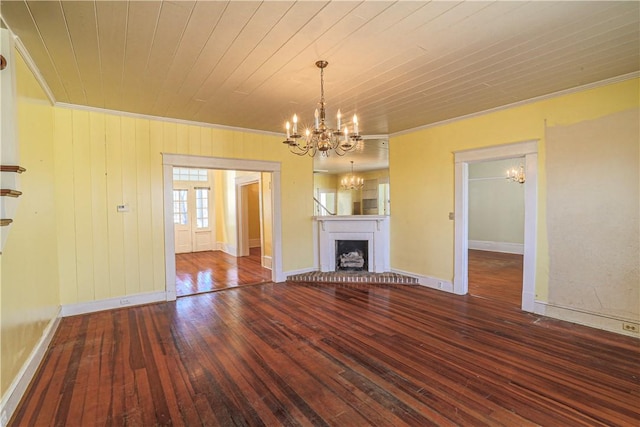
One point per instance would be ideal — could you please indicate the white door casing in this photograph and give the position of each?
(528, 150)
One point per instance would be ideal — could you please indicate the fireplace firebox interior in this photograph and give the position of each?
(352, 255)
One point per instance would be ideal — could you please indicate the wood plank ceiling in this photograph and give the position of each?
(247, 64)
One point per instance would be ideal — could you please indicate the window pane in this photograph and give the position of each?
(202, 207)
(180, 207)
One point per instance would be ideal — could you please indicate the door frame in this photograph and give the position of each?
(169, 161)
(528, 150)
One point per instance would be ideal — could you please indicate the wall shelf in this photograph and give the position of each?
(11, 168)
(10, 193)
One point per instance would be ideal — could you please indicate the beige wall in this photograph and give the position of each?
(593, 214)
(29, 283)
(422, 177)
(496, 206)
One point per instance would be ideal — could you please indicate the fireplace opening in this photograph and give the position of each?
(352, 255)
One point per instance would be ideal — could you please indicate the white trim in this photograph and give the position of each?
(266, 261)
(18, 386)
(577, 89)
(113, 303)
(31, 65)
(171, 160)
(586, 317)
(228, 249)
(428, 281)
(254, 243)
(165, 119)
(504, 247)
(529, 150)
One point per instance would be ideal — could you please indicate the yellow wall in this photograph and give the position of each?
(267, 215)
(254, 211)
(422, 174)
(107, 159)
(29, 280)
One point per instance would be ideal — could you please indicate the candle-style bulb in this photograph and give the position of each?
(346, 134)
(339, 116)
(355, 124)
(316, 115)
(295, 123)
(288, 126)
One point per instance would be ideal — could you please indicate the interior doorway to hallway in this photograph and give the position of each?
(235, 266)
(220, 235)
(496, 231)
(528, 150)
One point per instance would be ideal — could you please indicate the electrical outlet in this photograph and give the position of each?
(124, 301)
(630, 327)
(440, 284)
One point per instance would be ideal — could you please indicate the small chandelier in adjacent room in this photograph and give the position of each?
(351, 181)
(516, 175)
(322, 138)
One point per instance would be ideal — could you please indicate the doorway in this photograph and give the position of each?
(529, 151)
(496, 231)
(230, 246)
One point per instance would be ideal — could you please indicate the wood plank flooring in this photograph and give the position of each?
(208, 271)
(284, 354)
(496, 276)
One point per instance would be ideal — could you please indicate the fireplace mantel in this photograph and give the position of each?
(372, 228)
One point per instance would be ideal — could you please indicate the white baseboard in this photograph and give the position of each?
(267, 262)
(586, 318)
(254, 243)
(227, 248)
(19, 385)
(508, 248)
(430, 282)
(112, 303)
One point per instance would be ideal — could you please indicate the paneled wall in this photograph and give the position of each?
(103, 160)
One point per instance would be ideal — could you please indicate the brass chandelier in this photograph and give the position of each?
(321, 138)
(352, 182)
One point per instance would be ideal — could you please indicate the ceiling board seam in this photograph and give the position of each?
(618, 79)
(46, 49)
(153, 38)
(73, 51)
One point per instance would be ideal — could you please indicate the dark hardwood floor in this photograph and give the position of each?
(208, 271)
(286, 354)
(496, 276)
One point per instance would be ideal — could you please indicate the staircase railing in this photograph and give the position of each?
(323, 206)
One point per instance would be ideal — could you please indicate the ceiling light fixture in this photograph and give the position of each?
(516, 175)
(322, 138)
(351, 181)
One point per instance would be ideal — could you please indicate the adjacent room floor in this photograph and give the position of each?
(208, 271)
(496, 276)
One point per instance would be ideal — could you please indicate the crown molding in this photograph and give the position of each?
(31, 65)
(605, 82)
(165, 119)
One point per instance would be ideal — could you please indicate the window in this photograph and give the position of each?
(180, 207)
(189, 174)
(202, 207)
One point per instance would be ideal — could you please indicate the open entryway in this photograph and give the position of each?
(222, 223)
(525, 152)
(219, 230)
(496, 231)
